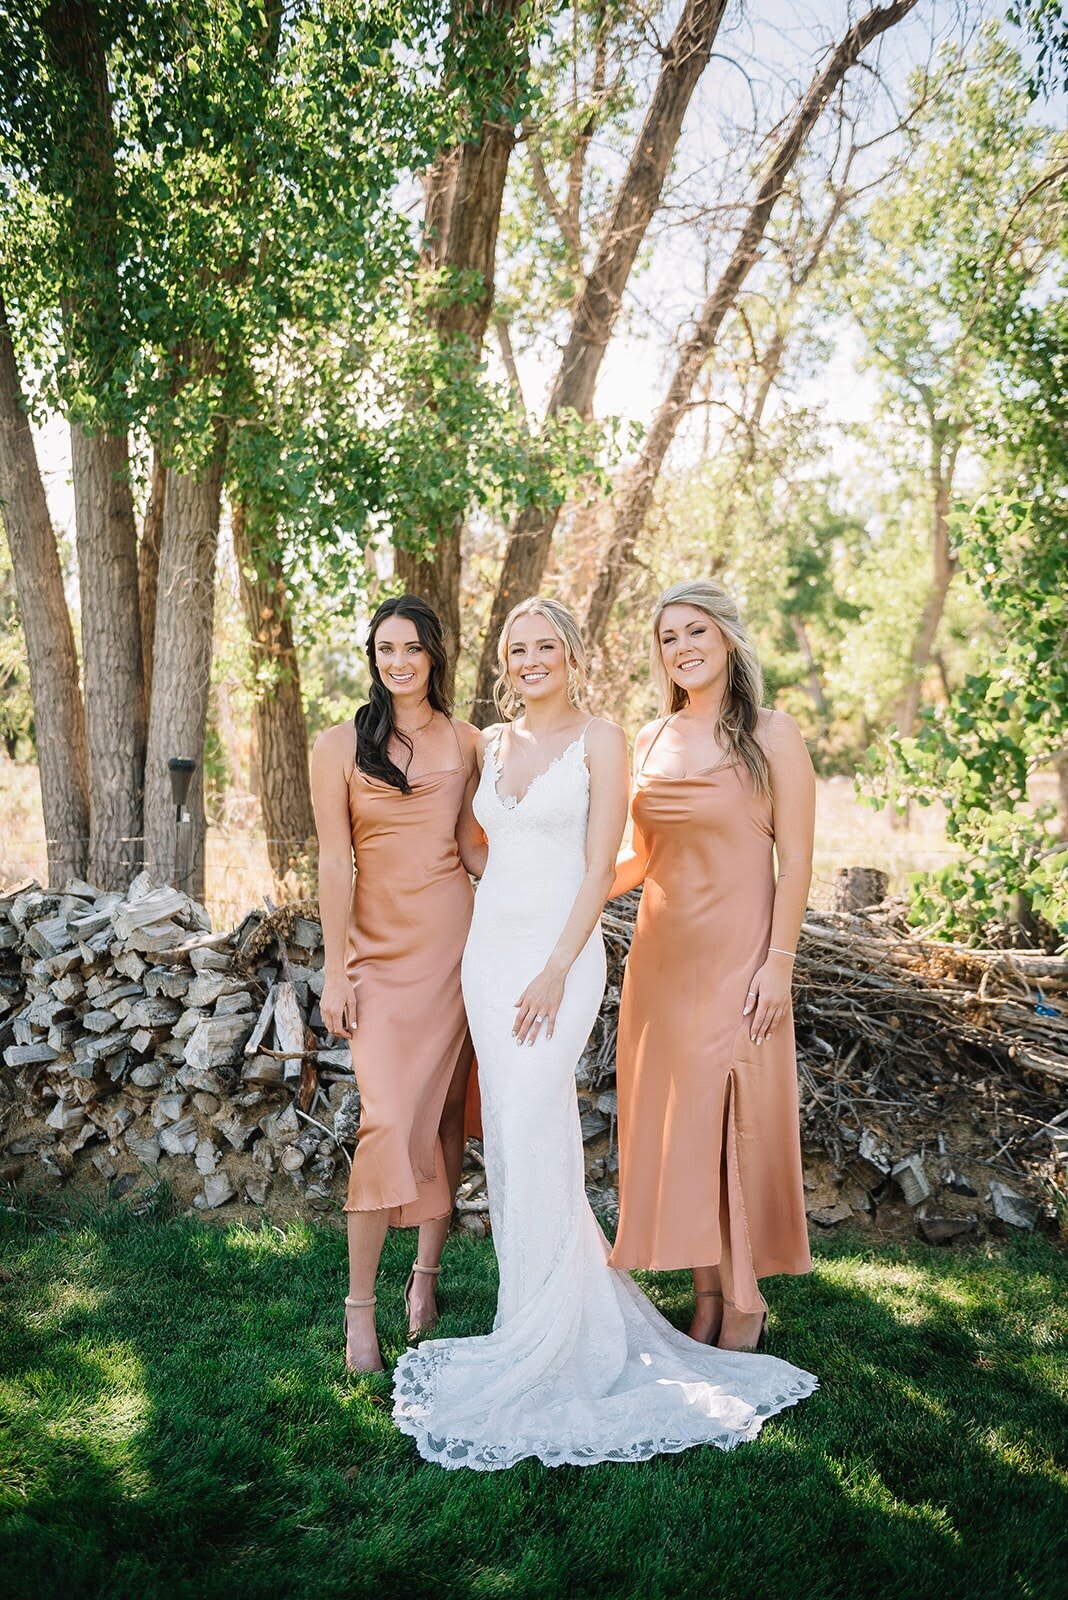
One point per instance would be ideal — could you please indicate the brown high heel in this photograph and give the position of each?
(425, 1327)
(746, 1349)
(358, 1305)
(708, 1294)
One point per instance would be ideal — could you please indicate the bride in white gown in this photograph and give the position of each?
(579, 1367)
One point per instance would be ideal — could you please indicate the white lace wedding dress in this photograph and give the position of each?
(579, 1366)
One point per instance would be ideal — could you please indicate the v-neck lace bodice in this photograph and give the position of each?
(511, 801)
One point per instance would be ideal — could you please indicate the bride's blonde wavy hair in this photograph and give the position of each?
(509, 704)
(745, 680)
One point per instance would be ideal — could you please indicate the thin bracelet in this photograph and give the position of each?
(778, 952)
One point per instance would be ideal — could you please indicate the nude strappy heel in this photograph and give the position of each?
(351, 1303)
(708, 1294)
(430, 1272)
(747, 1348)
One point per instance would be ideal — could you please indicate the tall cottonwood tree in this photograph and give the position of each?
(46, 626)
(330, 258)
(486, 70)
(633, 502)
(942, 257)
(58, 136)
(234, 178)
(683, 60)
(215, 170)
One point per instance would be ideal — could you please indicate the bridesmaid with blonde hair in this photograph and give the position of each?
(723, 813)
(392, 794)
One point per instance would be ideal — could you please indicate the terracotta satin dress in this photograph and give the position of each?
(408, 922)
(709, 1143)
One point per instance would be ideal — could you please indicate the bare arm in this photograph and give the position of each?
(470, 839)
(330, 799)
(606, 753)
(633, 861)
(793, 793)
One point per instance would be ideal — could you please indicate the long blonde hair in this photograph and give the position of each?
(745, 681)
(562, 622)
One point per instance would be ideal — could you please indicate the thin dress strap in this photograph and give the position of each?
(652, 746)
(459, 747)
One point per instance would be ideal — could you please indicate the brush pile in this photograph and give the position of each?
(933, 1078)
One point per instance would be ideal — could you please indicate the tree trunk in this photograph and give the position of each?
(683, 61)
(464, 192)
(859, 888)
(641, 482)
(111, 652)
(107, 537)
(57, 704)
(181, 654)
(277, 708)
(814, 682)
(1061, 767)
(148, 566)
(943, 566)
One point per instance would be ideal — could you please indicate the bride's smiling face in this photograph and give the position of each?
(537, 659)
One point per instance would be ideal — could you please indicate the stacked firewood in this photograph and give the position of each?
(131, 1031)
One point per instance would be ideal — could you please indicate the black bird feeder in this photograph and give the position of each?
(181, 769)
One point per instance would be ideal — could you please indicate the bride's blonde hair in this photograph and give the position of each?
(562, 622)
(745, 681)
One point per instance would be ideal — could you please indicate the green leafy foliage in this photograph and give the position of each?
(976, 753)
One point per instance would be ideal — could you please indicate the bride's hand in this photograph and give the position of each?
(538, 1005)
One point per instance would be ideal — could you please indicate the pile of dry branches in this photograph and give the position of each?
(916, 1040)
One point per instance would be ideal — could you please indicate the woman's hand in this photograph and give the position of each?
(338, 1006)
(538, 1005)
(768, 999)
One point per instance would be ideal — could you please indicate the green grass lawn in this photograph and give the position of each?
(176, 1421)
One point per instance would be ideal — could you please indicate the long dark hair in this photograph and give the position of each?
(374, 721)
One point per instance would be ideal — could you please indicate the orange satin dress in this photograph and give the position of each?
(411, 909)
(709, 1141)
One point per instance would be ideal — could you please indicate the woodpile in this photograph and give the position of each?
(130, 1031)
(135, 1040)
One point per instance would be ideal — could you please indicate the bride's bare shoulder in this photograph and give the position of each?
(488, 736)
(605, 737)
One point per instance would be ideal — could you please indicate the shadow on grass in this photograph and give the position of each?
(178, 1423)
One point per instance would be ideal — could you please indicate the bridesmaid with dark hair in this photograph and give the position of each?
(392, 797)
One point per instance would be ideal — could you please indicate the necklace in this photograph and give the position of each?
(418, 728)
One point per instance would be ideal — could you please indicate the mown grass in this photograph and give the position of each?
(177, 1423)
